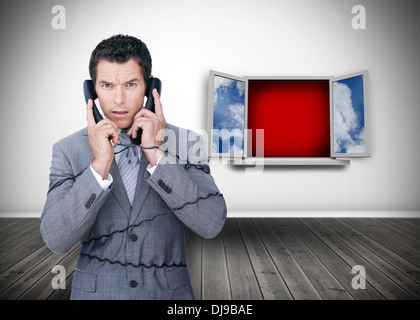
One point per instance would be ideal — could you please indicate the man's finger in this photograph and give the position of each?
(134, 129)
(114, 136)
(89, 114)
(139, 124)
(158, 103)
(143, 113)
(108, 125)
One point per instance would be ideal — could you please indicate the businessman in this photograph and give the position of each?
(129, 205)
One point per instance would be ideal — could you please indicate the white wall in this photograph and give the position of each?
(42, 70)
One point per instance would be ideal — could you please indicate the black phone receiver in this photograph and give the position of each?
(90, 93)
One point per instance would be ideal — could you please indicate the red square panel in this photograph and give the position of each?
(295, 116)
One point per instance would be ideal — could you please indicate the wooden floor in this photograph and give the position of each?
(258, 258)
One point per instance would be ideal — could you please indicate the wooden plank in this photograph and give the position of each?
(17, 241)
(18, 288)
(388, 288)
(21, 268)
(295, 278)
(406, 224)
(270, 281)
(215, 279)
(363, 226)
(407, 237)
(17, 228)
(327, 285)
(415, 221)
(333, 262)
(373, 258)
(397, 261)
(5, 221)
(243, 283)
(193, 248)
(13, 257)
(42, 289)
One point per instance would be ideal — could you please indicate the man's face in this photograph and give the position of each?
(120, 88)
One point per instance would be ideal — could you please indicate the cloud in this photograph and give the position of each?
(231, 140)
(237, 112)
(220, 83)
(234, 117)
(241, 87)
(349, 134)
(228, 117)
(223, 84)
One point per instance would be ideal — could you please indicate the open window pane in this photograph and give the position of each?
(349, 107)
(227, 108)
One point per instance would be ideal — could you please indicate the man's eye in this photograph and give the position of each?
(131, 85)
(107, 85)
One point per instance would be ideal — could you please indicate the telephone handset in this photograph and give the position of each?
(90, 93)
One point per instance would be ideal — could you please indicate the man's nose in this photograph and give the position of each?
(119, 95)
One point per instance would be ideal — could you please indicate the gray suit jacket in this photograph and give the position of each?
(133, 252)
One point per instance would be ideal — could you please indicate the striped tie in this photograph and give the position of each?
(128, 165)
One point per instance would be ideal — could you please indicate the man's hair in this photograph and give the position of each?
(120, 48)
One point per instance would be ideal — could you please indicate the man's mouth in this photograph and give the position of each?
(119, 113)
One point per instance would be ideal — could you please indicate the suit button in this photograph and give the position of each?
(160, 183)
(133, 283)
(133, 237)
(90, 201)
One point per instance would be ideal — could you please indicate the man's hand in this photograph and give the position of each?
(152, 124)
(102, 150)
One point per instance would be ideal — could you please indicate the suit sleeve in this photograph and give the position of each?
(73, 201)
(190, 191)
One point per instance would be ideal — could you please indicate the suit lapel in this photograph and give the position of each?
(142, 189)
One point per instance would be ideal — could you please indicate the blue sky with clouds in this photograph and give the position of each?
(349, 125)
(228, 115)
